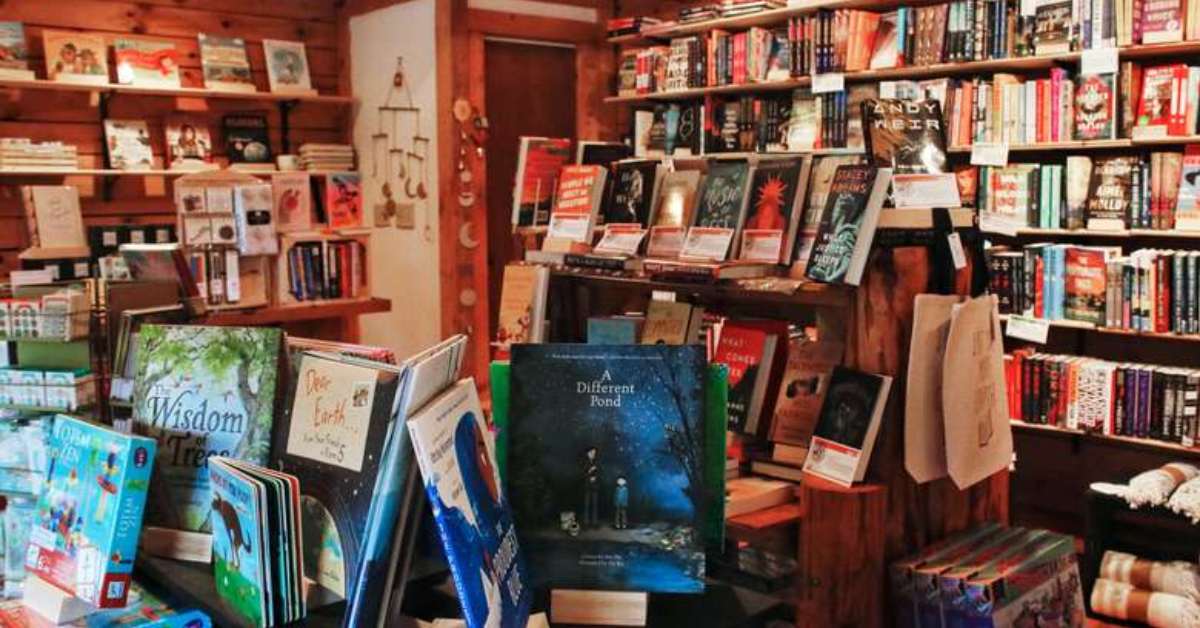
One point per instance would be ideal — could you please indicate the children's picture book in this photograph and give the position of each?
(89, 514)
(293, 201)
(523, 294)
(76, 57)
(257, 563)
(128, 144)
(189, 143)
(846, 428)
(1096, 107)
(201, 391)
(287, 66)
(146, 62)
(55, 217)
(776, 200)
(539, 160)
(631, 196)
(843, 241)
(343, 200)
(457, 457)
(14, 51)
(246, 139)
(605, 465)
(225, 65)
(907, 136)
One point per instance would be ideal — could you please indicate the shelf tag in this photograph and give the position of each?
(1099, 61)
(1029, 8)
(829, 82)
(1031, 329)
(989, 155)
(662, 295)
(956, 251)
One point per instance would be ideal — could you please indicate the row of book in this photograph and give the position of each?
(1148, 290)
(189, 143)
(1154, 192)
(326, 269)
(1110, 398)
(18, 153)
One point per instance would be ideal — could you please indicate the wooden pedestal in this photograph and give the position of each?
(599, 608)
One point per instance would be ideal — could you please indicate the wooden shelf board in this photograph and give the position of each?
(103, 172)
(632, 38)
(316, 310)
(1115, 331)
(1145, 443)
(181, 92)
(809, 293)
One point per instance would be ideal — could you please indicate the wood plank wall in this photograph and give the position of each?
(48, 115)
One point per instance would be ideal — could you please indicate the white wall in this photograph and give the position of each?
(404, 262)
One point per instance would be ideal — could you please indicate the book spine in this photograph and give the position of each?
(127, 524)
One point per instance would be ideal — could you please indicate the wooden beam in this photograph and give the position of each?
(532, 27)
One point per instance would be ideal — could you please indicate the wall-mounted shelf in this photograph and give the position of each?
(1147, 443)
(105, 172)
(1095, 233)
(180, 92)
(1116, 331)
(1166, 140)
(316, 310)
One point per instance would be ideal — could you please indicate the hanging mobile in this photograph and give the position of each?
(408, 183)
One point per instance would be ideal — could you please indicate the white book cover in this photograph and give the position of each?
(128, 144)
(287, 66)
(253, 205)
(57, 216)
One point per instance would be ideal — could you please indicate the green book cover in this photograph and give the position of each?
(498, 378)
(200, 392)
(715, 422)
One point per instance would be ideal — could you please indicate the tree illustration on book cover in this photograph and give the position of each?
(201, 392)
(606, 454)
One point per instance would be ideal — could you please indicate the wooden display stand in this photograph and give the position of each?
(283, 293)
(52, 603)
(599, 608)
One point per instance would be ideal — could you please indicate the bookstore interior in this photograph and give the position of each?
(532, 313)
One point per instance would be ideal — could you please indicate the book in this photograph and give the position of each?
(847, 228)
(594, 153)
(1109, 193)
(89, 513)
(522, 311)
(818, 187)
(750, 352)
(805, 381)
(774, 207)
(1084, 285)
(751, 494)
(287, 66)
(632, 194)
(14, 51)
(1157, 100)
(225, 65)
(146, 62)
(1096, 107)
(127, 143)
(539, 160)
(676, 199)
(160, 262)
(456, 454)
(189, 143)
(907, 136)
(576, 207)
(1187, 206)
(578, 488)
(672, 323)
(200, 391)
(252, 208)
(292, 193)
(846, 428)
(246, 138)
(257, 562)
(343, 200)
(1162, 21)
(1053, 30)
(54, 216)
(75, 57)
(722, 199)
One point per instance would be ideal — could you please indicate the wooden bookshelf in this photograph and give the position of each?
(1115, 331)
(1077, 145)
(1101, 234)
(107, 172)
(316, 310)
(181, 92)
(807, 293)
(1145, 443)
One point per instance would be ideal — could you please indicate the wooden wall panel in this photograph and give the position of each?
(71, 117)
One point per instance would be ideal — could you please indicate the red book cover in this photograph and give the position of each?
(1177, 124)
(1043, 106)
(1162, 306)
(343, 200)
(1154, 107)
(1039, 301)
(741, 349)
(345, 260)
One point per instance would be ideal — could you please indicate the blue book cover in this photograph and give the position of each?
(606, 465)
(200, 392)
(239, 566)
(613, 330)
(89, 514)
(456, 454)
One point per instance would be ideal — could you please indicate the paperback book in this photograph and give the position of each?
(1096, 107)
(225, 64)
(287, 66)
(539, 160)
(128, 144)
(146, 62)
(723, 195)
(76, 57)
(751, 350)
(1110, 193)
(805, 381)
(246, 139)
(189, 144)
(583, 421)
(847, 227)
(776, 201)
(847, 426)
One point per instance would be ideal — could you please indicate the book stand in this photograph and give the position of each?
(53, 603)
(599, 608)
(193, 547)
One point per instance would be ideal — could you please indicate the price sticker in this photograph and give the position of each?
(989, 155)
(830, 82)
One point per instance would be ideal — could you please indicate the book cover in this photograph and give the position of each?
(224, 62)
(821, 179)
(343, 200)
(14, 52)
(1110, 193)
(539, 160)
(522, 304)
(847, 225)
(142, 610)
(1096, 107)
(1187, 207)
(246, 138)
(127, 143)
(287, 66)
(1052, 34)
(723, 195)
(200, 391)
(887, 38)
(252, 205)
(292, 193)
(772, 209)
(746, 350)
(89, 514)
(846, 428)
(75, 57)
(576, 205)
(1085, 283)
(1154, 106)
(1162, 21)
(805, 381)
(189, 143)
(146, 62)
(613, 330)
(631, 196)
(676, 198)
(456, 453)
(239, 543)
(671, 322)
(57, 216)
(583, 484)
(907, 136)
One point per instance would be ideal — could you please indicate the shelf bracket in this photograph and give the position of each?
(106, 182)
(285, 123)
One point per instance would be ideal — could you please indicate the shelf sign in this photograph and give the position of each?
(956, 250)
(1031, 329)
(919, 190)
(829, 82)
(1029, 8)
(621, 239)
(1099, 61)
(986, 154)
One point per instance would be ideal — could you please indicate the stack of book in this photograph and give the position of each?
(734, 8)
(25, 154)
(327, 157)
(620, 26)
(1111, 398)
(328, 269)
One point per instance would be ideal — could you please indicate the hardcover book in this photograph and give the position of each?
(847, 426)
(576, 206)
(907, 136)
(847, 226)
(76, 57)
(225, 64)
(1157, 99)
(246, 139)
(582, 482)
(287, 66)
(189, 144)
(293, 201)
(14, 52)
(200, 391)
(676, 198)
(456, 453)
(1053, 27)
(1096, 107)
(89, 514)
(750, 352)
(146, 62)
(539, 160)
(1110, 193)
(343, 200)
(823, 170)
(805, 381)
(522, 304)
(776, 198)
(723, 196)
(1187, 207)
(1085, 283)
(128, 144)
(1162, 21)
(631, 197)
